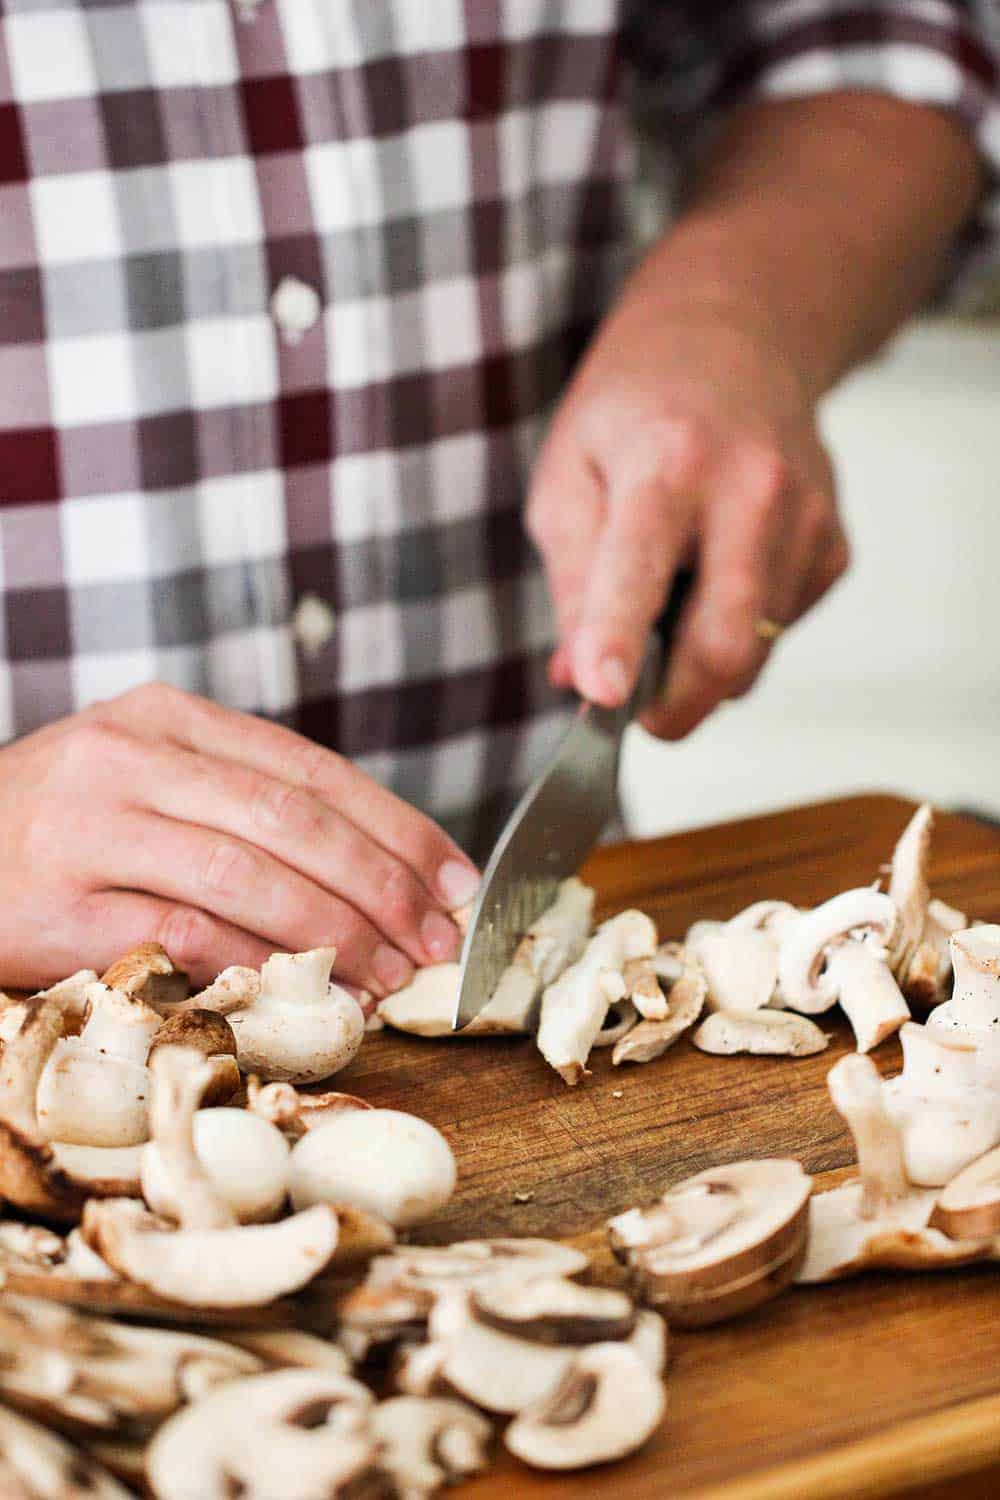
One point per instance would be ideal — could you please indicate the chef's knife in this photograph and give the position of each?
(555, 825)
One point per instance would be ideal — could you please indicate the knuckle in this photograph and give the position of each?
(682, 447)
(153, 697)
(309, 764)
(771, 477)
(94, 744)
(398, 898)
(230, 868)
(279, 807)
(724, 657)
(186, 934)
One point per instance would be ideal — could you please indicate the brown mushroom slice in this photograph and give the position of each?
(472, 1263)
(553, 1310)
(575, 1005)
(776, 1033)
(294, 1112)
(147, 973)
(719, 1231)
(968, 1208)
(425, 1443)
(37, 1465)
(606, 1404)
(29, 1174)
(687, 991)
(294, 1433)
(105, 1171)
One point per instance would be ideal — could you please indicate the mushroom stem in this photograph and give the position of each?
(869, 995)
(856, 1090)
(180, 1077)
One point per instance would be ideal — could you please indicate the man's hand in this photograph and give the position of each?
(161, 816)
(683, 440)
(688, 438)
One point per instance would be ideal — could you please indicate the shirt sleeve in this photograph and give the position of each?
(943, 53)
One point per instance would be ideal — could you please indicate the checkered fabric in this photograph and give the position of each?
(182, 464)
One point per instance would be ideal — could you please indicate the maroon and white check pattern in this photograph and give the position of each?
(185, 458)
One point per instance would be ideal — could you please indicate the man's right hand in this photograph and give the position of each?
(162, 816)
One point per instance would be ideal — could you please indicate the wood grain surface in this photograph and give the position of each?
(872, 1387)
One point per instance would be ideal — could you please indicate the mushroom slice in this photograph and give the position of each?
(245, 1157)
(471, 1263)
(802, 956)
(722, 1241)
(289, 1348)
(974, 1008)
(687, 991)
(87, 1375)
(869, 995)
(921, 960)
(294, 1433)
(427, 1443)
(295, 1113)
(766, 1034)
(775, 917)
(37, 1465)
(246, 1266)
(882, 1220)
(29, 1174)
(606, 1404)
(643, 988)
(740, 964)
(386, 1162)
(426, 1006)
(552, 1310)
(946, 1117)
(575, 1005)
(105, 1171)
(500, 1372)
(301, 1028)
(618, 1022)
(969, 1206)
(147, 973)
(234, 989)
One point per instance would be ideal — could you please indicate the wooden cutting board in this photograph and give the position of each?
(868, 1388)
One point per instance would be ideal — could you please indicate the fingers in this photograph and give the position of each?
(718, 651)
(652, 494)
(303, 832)
(245, 887)
(112, 922)
(444, 869)
(564, 517)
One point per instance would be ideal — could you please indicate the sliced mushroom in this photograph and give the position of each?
(471, 1263)
(974, 1008)
(86, 1375)
(426, 1006)
(294, 1113)
(301, 1028)
(869, 995)
(105, 1171)
(71, 995)
(740, 963)
(946, 1118)
(553, 1310)
(294, 1433)
(803, 954)
(290, 1348)
(147, 973)
(37, 1465)
(389, 1163)
(969, 1206)
(622, 1016)
(234, 989)
(94, 1088)
(575, 1005)
(29, 1174)
(427, 1443)
(765, 1033)
(921, 960)
(687, 991)
(606, 1404)
(246, 1158)
(881, 1221)
(719, 1243)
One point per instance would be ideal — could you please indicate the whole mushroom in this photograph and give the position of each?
(386, 1162)
(300, 1027)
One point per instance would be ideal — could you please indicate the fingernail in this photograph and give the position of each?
(440, 937)
(615, 678)
(458, 883)
(392, 968)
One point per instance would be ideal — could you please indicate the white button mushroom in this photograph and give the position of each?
(246, 1159)
(386, 1162)
(94, 1089)
(974, 1008)
(301, 1028)
(946, 1117)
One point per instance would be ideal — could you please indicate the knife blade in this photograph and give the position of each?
(554, 826)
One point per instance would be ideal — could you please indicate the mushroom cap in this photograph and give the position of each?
(425, 1006)
(553, 1310)
(969, 1206)
(205, 1030)
(429, 1442)
(247, 1266)
(294, 1433)
(498, 1371)
(46, 1467)
(246, 1158)
(148, 973)
(89, 1098)
(869, 995)
(769, 1033)
(606, 1404)
(283, 1038)
(387, 1162)
(716, 1228)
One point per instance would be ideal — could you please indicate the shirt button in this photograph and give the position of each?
(313, 624)
(295, 306)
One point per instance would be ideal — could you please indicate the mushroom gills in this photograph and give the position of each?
(606, 1404)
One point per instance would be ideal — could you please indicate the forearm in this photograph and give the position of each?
(819, 225)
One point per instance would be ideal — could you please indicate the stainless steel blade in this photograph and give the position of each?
(549, 834)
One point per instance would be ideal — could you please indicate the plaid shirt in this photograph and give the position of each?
(287, 288)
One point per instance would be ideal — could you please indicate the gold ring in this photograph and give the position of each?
(767, 629)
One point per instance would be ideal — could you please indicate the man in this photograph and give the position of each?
(289, 290)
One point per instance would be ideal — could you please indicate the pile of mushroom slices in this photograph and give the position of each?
(761, 976)
(927, 1194)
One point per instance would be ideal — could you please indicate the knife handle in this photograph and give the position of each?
(666, 625)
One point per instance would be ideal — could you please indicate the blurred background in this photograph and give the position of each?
(893, 683)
